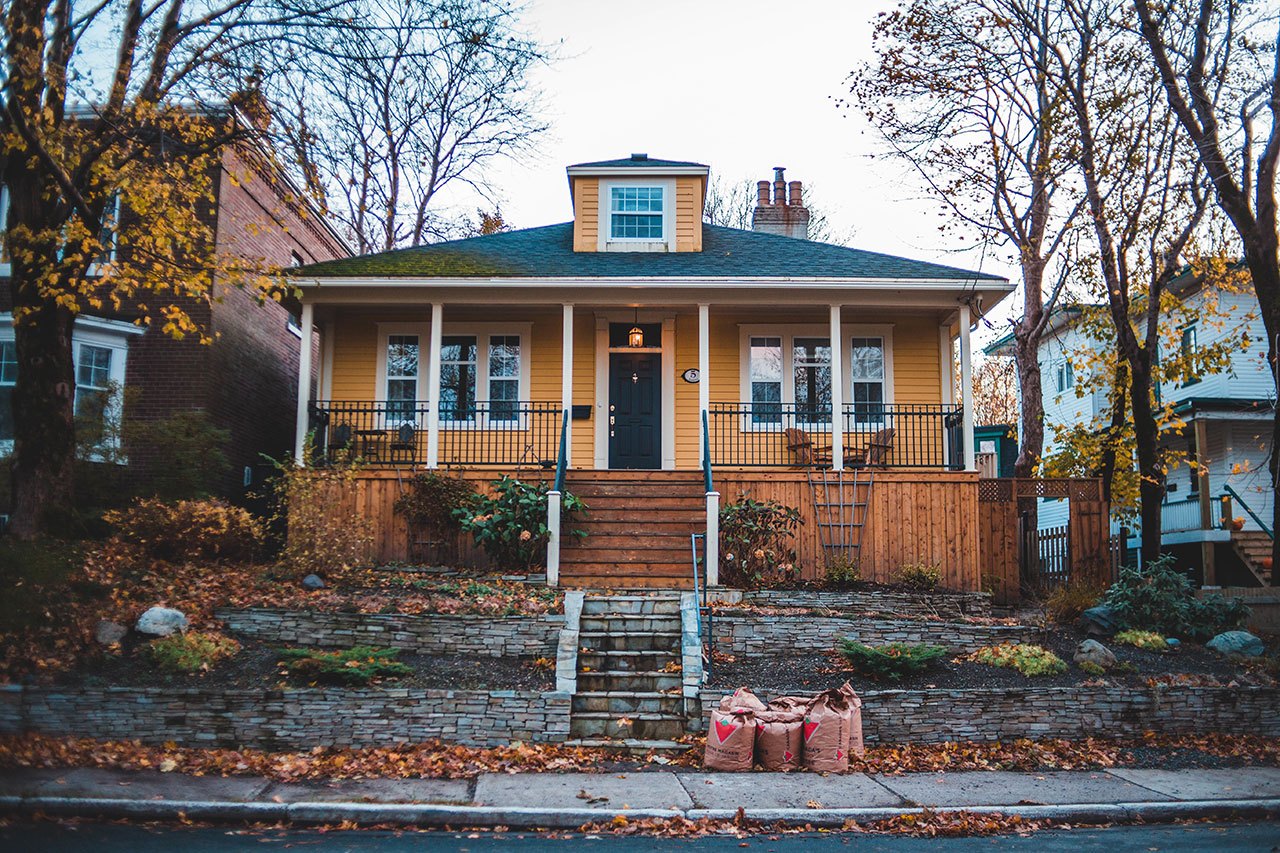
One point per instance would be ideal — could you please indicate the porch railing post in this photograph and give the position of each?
(553, 538)
(712, 546)
(433, 385)
(566, 379)
(837, 393)
(304, 385)
(704, 367)
(966, 391)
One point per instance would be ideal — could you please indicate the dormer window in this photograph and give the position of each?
(636, 213)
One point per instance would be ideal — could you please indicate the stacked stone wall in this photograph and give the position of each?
(760, 635)
(944, 605)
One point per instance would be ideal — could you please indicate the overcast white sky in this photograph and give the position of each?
(742, 86)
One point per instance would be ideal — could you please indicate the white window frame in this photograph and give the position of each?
(109, 334)
(5, 268)
(886, 380)
(386, 331)
(1064, 376)
(788, 333)
(608, 243)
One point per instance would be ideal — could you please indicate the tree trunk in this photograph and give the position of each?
(1151, 475)
(1107, 471)
(1031, 393)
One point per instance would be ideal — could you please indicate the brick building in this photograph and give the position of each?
(245, 382)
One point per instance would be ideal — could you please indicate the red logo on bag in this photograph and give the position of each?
(786, 755)
(723, 730)
(809, 729)
(839, 753)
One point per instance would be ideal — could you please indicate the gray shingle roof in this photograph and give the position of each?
(643, 161)
(547, 252)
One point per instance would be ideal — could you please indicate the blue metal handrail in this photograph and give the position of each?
(563, 455)
(1265, 529)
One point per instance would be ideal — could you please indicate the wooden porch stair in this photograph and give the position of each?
(638, 525)
(1252, 546)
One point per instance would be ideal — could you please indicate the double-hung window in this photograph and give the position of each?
(867, 378)
(1065, 377)
(766, 380)
(403, 370)
(93, 391)
(636, 213)
(1189, 346)
(504, 377)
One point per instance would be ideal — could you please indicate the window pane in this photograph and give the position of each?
(868, 402)
(8, 363)
(504, 355)
(93, 370)
(867, 359)
(636, 226)
(458, 348)
(402, 355)
(766, 359)
(766, 402)
(503, 399)
(811, 363)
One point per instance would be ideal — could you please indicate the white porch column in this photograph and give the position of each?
(837, 392)
(433, 385)
(712, 543)
(304, 384)
(966, 390)
(947, 371)
(704, 370)
(553, 538)
(566, 380)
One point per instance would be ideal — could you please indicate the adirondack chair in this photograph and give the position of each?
(806, 453)
(878, 448)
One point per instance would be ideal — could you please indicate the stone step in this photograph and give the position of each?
(623, 702)
(592, 724)
(639, 641)
(621, 679)
(622, 660)
(631, 623)
(630, 746)
(629, 604)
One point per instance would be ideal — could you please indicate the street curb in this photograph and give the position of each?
(426, 814)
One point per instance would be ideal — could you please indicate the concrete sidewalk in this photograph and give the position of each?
(571, 799)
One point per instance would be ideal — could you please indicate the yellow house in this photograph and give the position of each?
(645, 359)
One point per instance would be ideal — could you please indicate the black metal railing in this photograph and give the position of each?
(507, 432)
(896, 435)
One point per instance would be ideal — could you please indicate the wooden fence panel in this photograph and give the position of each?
(1091, 541)
(998, 535)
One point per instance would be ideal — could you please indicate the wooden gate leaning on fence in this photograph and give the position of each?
(1011, 559)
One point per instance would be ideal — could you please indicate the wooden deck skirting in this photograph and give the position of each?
(928, 517)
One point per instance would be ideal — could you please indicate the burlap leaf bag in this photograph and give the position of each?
(779, 739)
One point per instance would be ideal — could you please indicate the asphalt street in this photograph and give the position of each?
(121, 838)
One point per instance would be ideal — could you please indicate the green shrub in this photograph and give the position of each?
(511, 524)
(191, 449)
(1026, 659)
(756, 541)
(890, 662)
(843, 572)
(1092, 668)
(920, 577)
(191, 652)
(1159, 598)
(356, 666)
(1065, 604)
(188, 530)
(1149, 640)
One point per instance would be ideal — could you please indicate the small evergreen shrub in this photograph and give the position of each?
(1065, 604)
(843, 572)
(890, 662)
(1148, 640)
(757, 541)
(1157, 597)
(188, 530)
(920, 577)
(1027, 659)
(355, 667)
(511, 524)
(191, 652)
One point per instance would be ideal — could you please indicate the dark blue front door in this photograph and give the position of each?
(635, 410)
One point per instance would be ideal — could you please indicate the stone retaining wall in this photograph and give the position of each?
(287, 719)
(989, 714)
(497, 636)
(947, 605)
(752, 634)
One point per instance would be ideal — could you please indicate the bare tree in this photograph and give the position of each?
(392, 115)
(995, 391)
(1219, 68)
(960, 91)
(732, 203)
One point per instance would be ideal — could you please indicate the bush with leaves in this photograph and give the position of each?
(920, 577)
(890, 662)
(316, 505)
(511, 524)
(1157, 597)
(756, 542)
(1029, 660)
(1065, 604)
(188, 530)
(191, 652)
(843, 572)
(1149, 640)
(356, 666)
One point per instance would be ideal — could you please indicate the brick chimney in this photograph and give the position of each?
(780, 208)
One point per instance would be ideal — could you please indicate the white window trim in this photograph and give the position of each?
(788, 332)
(482, 333)
(6, 269)
(606, 242)
(96, 331)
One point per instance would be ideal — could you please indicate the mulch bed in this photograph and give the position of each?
(811, 672)
(254, 667)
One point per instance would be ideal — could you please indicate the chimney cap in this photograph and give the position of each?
(778, 172)
(640, 156)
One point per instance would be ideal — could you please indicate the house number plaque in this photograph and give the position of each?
(691, 376)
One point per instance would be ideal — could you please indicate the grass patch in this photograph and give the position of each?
(1029, 660)
(193, 652)
(356, 667)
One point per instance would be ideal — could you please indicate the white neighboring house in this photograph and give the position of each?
(1228, 427)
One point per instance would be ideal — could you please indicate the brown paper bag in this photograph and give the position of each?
(790, 703)
(731, 740)
(855, 745)
(826, 733)
(741, 700)
(779, 739)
